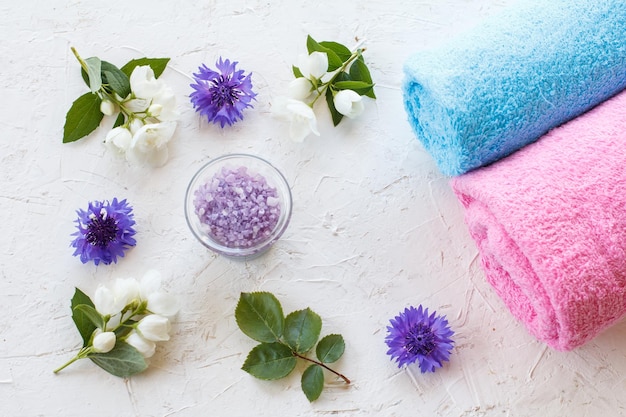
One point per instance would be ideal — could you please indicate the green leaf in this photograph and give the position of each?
(260, 316)
(360, 72)
(157, 64)
(334, 61)
(360, 87)
(342, 51)
(270, 361)
(84, 325)
(296, 72)
(115, 79)
(331, 106)
(93, 73)
(330, 348)
(91, 314)
(123, 361)
(119, 121)
(83, 117)
(302, 329)
(312, 382)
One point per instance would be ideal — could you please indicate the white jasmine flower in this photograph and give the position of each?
(144, 346)
(300, 115)
(314, 65)
(118, 139)
(300, 88)
(349, 103)
(143, 83)
(103, 342)
(149, 144)
(159, 302)
(165, 101)
(154, 327)
(126, 290)
(105, 301)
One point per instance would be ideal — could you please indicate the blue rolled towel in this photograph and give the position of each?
(507, 82)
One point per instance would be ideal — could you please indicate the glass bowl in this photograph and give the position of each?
(238, 205)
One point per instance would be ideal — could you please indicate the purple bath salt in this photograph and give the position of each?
(239, 208)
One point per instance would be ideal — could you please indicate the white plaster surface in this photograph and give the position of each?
(375, 226)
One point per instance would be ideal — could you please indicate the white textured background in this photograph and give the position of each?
(375, 226)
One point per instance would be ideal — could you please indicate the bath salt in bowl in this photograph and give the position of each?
(238, 205)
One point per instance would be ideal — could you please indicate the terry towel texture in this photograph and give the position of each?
(550, 225)
(508, 81)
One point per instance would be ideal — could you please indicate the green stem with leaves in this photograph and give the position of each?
(322, 89)
(346, 380)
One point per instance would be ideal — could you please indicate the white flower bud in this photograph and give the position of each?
(300, 88)
(155, 110)
(144, 346)
(154, 328)
(107, 107)
(349, 103)
(314, 65)
(134, 125)
(103, 342)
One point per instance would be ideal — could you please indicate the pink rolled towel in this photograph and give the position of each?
(550, 225)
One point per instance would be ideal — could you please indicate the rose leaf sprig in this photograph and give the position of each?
(284, 340)
(144, 106)
(121, 325)
(416, 336)
(330, 70)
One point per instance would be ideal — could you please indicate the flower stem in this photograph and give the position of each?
(80, 355)
(346, 380)
(337, 72)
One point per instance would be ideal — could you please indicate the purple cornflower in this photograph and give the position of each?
(105, 231)
(416, 336)
(222, 96)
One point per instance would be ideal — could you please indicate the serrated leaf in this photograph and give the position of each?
(119, 121)
(312, 382)
(270, 361)
(93, 73)
(123, 361)
(84, 325)
(360, 72)
(83, 117)
(115, 79)
(158, 65)
(260, 316)
(342, 51)
(331, 106)
(91, 314)
(296, 72)
(334, 61)
(360, 87)
(330, 348)
(302, 330)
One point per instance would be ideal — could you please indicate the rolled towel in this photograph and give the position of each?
(550, 225)
(508, 81)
